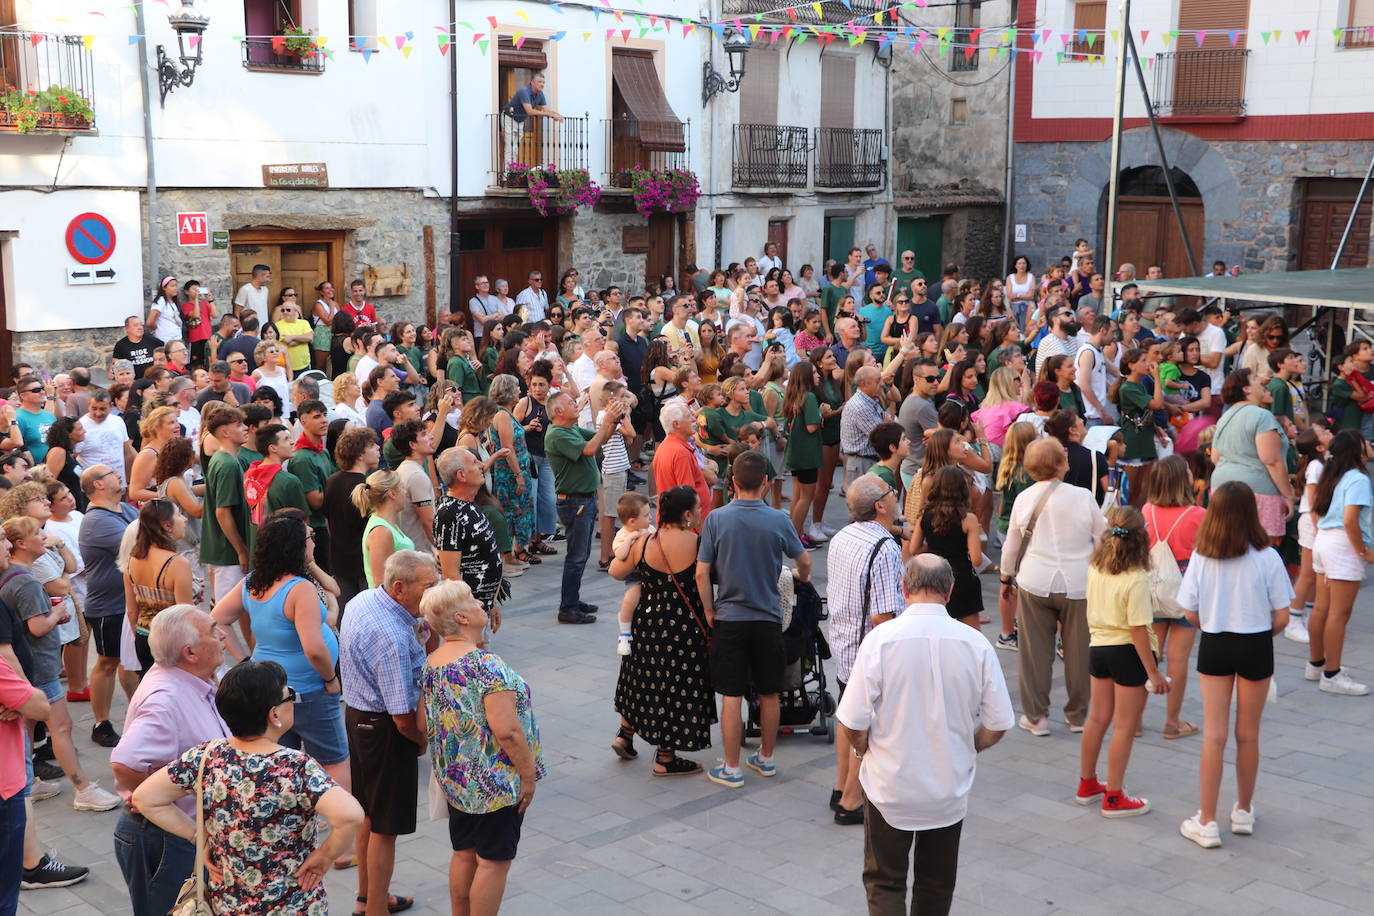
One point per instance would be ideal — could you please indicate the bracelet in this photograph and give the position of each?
(331, 680)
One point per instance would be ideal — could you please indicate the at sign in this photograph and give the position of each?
(193, 229)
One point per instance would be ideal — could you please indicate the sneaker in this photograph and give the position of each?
(94, 798)
(622, 645)
(1242, 822)
(1296, 630)
(43, 769)
(51, 873)
(573, 615)
(1078, 729)
(1208, 836)
(814, 532)
(755, 763)
(1311, 672)
(722, 776)
(1007, 642)
(847, 818)
(1343, 684)
(1038, 727)
(44, 788)
(586, 608)
(809, 544)
(558, 536)
(1119, 804)
(103, 734)
(829, 530)
(1089, 791)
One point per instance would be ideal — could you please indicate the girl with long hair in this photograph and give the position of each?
(830, 394)
(379, 499)
(1311, 446)
(1137, 407)
(1121, 659)
(803, 455)
(1004, 402)
(1172, 516)
(1340, 551)
(708, 360)
(1061, 370)
(1012, 478)
(1236, 592)
(157, 577)
(159, 427)
(949, 528)
(963, 383)
(64, 435)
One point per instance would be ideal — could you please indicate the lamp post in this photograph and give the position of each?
(189, 24)
(736, 47)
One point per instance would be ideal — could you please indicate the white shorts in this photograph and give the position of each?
(1307, 530)
(1333, 557)
(223, 579)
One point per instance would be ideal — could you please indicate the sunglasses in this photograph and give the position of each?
(1275, 337)
(930, 378)
(290, 697)
(31, 390)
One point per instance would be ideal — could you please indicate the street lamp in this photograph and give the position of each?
(736, 47)
(189, 24)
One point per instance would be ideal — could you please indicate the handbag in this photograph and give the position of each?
(1030, 528)
(192, 900)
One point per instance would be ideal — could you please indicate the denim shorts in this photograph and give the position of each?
(53, 690)
(319, 727)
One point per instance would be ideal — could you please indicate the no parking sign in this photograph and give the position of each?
(90, 238)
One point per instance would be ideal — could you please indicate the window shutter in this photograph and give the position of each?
(637, 79)
(529, 56)
(837, 91)
(758, 103)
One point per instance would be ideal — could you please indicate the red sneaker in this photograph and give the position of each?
(1089, 791)
(1119, 804)
(82, 697)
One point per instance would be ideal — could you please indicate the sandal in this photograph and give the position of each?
(542, 549)
(1184, 730)
(526, 558)
(395, 903)
(624, 744)
(673, 765)
(603, 565)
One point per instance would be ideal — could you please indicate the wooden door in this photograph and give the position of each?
(506, 249)
(777, 234)
(246, 255)
(1325, 209)
(660, 260)
(11, 47)
(1148, 234)
(303, 267)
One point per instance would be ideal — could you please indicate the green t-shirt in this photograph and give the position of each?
(884, 473)
(1137, 421)
(247, 457)
(417, 360)
(1073, 400)
(803, 451)
(1020, 480)
(1234, 442)
(1283, 398)
(573, 472)
(830, 302)
(490, 356)
(830, 427)
(946, 306)
(1343, 401)
(285, 492)
(1170, 372)
(460, 372)
(903, 278)
(312, 469)
(223, 490)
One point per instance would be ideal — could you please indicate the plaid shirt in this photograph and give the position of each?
(380, 657)
(847, 574)
(860, 414)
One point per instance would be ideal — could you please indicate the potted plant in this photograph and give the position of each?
(295, 42)
(670, 191)
(517, 175)
(69, 108)
(576, 190)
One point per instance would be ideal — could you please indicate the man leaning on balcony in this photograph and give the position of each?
(529, 100)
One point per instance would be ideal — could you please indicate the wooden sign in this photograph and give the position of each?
(296, 175)
(388, 280)
(634, 240)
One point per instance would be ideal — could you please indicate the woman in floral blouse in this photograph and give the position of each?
(261, 803)
(483, 743)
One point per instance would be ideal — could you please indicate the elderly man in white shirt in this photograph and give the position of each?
(924, 697)
(534, 298)
(583, 370)
(1045, 559)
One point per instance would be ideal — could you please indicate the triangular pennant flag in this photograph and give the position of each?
(483, 45)
(1082, 36)
(773, 37)
(320, 41)
(1266, 36)
(329, 53)
(754, 32)
(1116, 37)
(791, 14)
(942, 34)
(1167, 37)
(443, 44)
(974, 35)
(686, 29)
(135, 39)
(854, 40)
(518, 40)
(1200, 36)
(624, 34)
(1058, 57)
(816, 8)
(610, 33)
(1038, 55)
(492, 21)
(400, 41)
(618, 17)
(1234, 36)
(969, 51)
(405, 51)
(193, 41)
(410, 36)
(384, 42)
(478, 37)
(521, 14)
(367, 55)
(596, 15)
(36, 38)
(558, 36)
(1144, 35)
(1302, 36)
(88, 40)
(465, 24)
(1045, 35)
(1335, 33)
(586, 36)
(801, 37)
(653, 22)
(718, 29)
(1064, 38)
(557, 8)
(847, 5)
(1278, 33)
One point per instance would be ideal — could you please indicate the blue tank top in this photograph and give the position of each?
(277, 640)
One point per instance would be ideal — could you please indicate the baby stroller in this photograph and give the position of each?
(806, 704)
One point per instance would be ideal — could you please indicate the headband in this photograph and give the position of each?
(165, 281)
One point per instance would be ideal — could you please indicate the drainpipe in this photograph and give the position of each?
(1009, 185)
(454, 293)
(148, 152)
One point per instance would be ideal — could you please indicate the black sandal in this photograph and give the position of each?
(400, 906)
(624, 744)
(673, 765)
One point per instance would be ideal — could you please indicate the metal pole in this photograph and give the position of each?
(1163, 157)
(1009, 206)
(149, 155)
(1354, 212)
(455, 292)
(1114, 181)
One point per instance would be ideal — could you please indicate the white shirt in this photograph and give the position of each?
(1056, 559)
(190, 419)
(168, 327)
(536, 300)
(489, 306)
(104, 443)
(1237, 595)
(345, 411)
(766, 264)
(1096, 379)
(921, 685)
(255, 299)
(364, 368)
(583, 372)
(1213, 340)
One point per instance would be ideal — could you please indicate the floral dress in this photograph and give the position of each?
(260, 825)
(476, 774)
(519, 507)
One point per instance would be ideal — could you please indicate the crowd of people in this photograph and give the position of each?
(289, 533)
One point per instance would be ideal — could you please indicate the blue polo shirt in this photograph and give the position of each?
(746, 541)
(515, 108)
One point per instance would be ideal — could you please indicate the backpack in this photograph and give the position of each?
(1165, 578)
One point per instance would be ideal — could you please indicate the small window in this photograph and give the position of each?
(958, 111)
(968, 18)
(1359, 20)
(522, 237)
(1089, 26)
(472, 240)
(362, 25)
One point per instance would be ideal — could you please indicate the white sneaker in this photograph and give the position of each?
(1344, 685)
(1296, 630)
(829, 531)
(622, 645)
(1311, 672)
(44, 788)
(1208, 836)
(816, 534)
(94, 798)
(1037, 727)
(1242, 822)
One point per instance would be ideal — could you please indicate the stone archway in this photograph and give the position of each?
(1147, 229)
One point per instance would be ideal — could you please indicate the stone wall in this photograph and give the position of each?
(593, 241)
(973, 240)
(1250, 191)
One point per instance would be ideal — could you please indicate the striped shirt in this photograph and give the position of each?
(380, 656)
(860, 414)
(614, 457)
(848, 574)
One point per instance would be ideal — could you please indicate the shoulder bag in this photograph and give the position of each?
(1030, 528)
(192, 900)
(866, 621)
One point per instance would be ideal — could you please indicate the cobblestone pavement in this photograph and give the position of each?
(603, 836)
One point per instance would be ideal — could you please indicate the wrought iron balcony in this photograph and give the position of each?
(769, 156)
(537, 143)
(631, 143)
(960, 61)
(849, 158)
(1201, 83)
(271, 54)
(832, 11)
(47, 83)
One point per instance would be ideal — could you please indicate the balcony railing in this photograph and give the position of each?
(625, 148)
(43, 79)
(266, 54)
(537, 142)
(1201, 83)
(849, 158)
(769, 156)
(960, 61)
(832, 11)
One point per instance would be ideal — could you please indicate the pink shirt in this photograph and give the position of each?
(171, 712)
(15, 691)
(998, 419)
